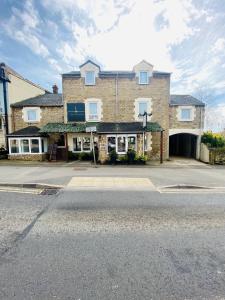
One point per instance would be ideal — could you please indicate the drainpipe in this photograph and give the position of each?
(116, 96)
(5, 109)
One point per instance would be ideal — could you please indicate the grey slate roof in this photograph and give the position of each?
(103, 127)
(106, 74)
(185, 100)
(42, 100)
(30, 131)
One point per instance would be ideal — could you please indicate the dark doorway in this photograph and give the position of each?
(183, 144)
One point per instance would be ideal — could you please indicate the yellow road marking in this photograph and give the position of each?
(110, 182)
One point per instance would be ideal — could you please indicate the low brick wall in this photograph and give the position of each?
(28, 157)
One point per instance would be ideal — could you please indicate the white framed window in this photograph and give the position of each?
(121, 143)
(82, 144)
(89, 78)
(142, 105)
(31, 114)
(186, 113)
(143, 77)
(93, 110)
(31, 145)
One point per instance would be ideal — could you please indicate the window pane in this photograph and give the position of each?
(111, 143)
(90, 77)
(31, 115)
(131, 142)
(121, 144)
(186, 114)
(86, 144)
(14, 144)
(34, 144)
(77, 144)
(24, 144)
(143, 77)
(76, 112)
(93, 108)
(142, 107)
(93, 111)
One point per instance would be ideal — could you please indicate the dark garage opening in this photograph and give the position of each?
(183, 144)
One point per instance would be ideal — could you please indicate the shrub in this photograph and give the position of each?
(3, 153)
(73, 156)
(123, 159)
(140, 159)
(131, 154)
(113, 157)
(214, 140)
(85, 156)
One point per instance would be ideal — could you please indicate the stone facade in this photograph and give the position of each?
(118, 100)
(196, 123)
(49, 114)
(28, 157)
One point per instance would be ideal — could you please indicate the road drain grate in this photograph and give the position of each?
(49, 192)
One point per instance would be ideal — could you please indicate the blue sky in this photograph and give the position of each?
(43, 38)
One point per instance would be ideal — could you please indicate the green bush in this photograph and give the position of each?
(85, 156)
(73, 156)
(214, 140)
(113, 157)
(123, 159)
(140, 159)
(131, 154)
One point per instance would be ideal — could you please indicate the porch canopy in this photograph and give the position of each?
(102, 127)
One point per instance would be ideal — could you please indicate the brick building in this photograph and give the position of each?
(114, 102)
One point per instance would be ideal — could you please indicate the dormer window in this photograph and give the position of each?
(90, 78)
(143, 77)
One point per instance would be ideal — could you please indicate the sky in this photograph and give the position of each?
(42, 39)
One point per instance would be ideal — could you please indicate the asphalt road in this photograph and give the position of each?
(112, 245)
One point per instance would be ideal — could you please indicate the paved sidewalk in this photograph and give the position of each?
(191, 175)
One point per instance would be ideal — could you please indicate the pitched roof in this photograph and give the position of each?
(30, 131)
(41, 100)
(185, 100)
(91, 62)
(9, 70)
(103, 127)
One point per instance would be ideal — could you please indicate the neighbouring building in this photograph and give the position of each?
(28, 117)
(187, 115)
(113, 103)
(17, 88)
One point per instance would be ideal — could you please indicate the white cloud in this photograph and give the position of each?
(134, 36)
(219, 45)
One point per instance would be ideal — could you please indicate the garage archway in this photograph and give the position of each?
(183, 144)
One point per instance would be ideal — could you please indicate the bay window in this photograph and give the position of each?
(27, 145)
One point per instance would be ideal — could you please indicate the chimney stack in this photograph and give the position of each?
(55, 89)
